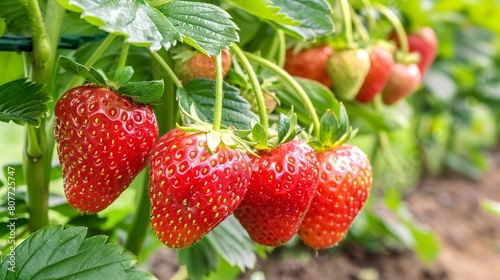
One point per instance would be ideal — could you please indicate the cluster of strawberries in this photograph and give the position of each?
(314, 189)
(363, 74)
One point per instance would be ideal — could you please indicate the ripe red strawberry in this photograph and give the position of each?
(424, 42)
(381, 63)
(103, 141)
(310, 63)
(404, 80)
(191, 191)
(348, 69)
(345, 179)
(198, 65)
(280, 192)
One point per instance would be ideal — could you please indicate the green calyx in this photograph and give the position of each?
(144, 92)
(333, 131)
(281, 132)
(407, 58)
(230, 138)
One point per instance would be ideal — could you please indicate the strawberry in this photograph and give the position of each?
(348, 69)
(103, 141)
(191, 190)
(381, 63)
(309, 63)
(191, 65)
(345, 178)
(424, 42)
(280, 192)
(403, 80)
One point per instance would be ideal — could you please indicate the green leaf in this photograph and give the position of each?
(3, 26)
(123, 75)
(76, 68)
(143, 92)
(259, 135)
(321, 97)
(328, 127)
(235, 109)
(266, 10)
(200, 259)
(205, 27)
(22, 101)
(56, 253)
(313, 15)
(232, 242)
(141, 24)
(283, 127)
(490, 206)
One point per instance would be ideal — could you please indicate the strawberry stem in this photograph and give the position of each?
(261, 105)
(123, 55)
(369, 15)
(344, 5)
(167, 68)
(140, 224)
(281, 53)
(293, 83)
(396, 23)
(219, 94)
(359, 26)
(39, 148)
(77, 80)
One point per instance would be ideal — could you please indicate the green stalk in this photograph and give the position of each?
(371, 19)
(359, 26)
(140, 225)
(123, 55)
(281, 53)
(293, 83)
(38, 149)
(261, 104)
(219, 94)
(93, 59)
(344, 4)
(167, 68)
(400, 31)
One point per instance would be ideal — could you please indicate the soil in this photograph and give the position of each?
(448, 205)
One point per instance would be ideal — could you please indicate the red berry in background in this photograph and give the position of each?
(103, 141)
(403, 81)
(282, 187)
(192, 191)
(345, 179)
(381, 63)
(199, 65)
(309, 63)
(424, 42)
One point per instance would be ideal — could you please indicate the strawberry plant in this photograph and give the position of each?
(207, 136)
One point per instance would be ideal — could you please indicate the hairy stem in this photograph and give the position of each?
(219, 94)
(281, 52)
(293, 83)
(38, 147)
(167, 68)
(123, 55)
(261, 104)
(344, 4)
(359, 26)
(400, 31)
